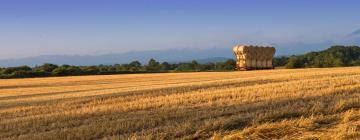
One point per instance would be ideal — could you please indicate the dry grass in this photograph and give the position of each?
(271, 104)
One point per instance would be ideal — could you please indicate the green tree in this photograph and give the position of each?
(67, 70)
(11, 70)
(91, 70)
(229, 64)
(152, 65)
(60, 71)
(195, 66)
(280, 61)
(165, 66)
(134, 66)
(338, 63)
(47, 67)
(294, 62)
(184, 67)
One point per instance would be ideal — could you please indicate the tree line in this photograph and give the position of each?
(152, 66)
(335, 56)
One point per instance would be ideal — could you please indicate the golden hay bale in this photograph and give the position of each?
(249, 56)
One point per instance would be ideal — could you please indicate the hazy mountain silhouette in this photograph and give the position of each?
(356, 33)
(355, 36)
(170, 55)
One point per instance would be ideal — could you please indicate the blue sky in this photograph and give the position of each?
(82, 27)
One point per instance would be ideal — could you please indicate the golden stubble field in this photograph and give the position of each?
(267, 104)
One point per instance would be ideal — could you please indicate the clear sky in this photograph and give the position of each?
(43, 27)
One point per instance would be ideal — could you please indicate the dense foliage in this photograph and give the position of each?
(152, 66)
(280, 61)
(336, 56)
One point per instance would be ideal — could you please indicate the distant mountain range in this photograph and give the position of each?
(170, 55)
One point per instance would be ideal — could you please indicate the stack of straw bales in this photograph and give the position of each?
(253, 57)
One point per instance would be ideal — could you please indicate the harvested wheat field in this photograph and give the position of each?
(277, 104)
